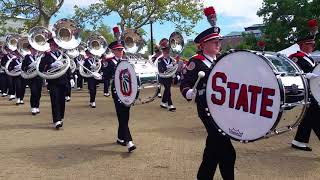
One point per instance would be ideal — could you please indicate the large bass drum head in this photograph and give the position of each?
(125, 81)
(243, 96)
(315, 84)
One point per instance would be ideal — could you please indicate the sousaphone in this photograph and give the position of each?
(66, 34)
(12, 44)
(176, 43)
(97, 45)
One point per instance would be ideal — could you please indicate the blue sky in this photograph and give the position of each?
(233, 15)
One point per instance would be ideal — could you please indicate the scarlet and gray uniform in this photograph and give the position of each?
(311, 119)
(219, 149)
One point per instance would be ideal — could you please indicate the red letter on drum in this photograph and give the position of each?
(266, 92)
(243, 99)
(217, 88)
(255, 90)
(233, 87)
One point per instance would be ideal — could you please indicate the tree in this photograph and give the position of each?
(137, 13)
(38, 11)
(249, 42)
(285, 20)
(189, 50)
(102, 29)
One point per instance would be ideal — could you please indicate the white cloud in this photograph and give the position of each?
(245, 10)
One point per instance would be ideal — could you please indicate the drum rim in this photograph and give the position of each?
(138, 90)
(311, 82)
(282, 94)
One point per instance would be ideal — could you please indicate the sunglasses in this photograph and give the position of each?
(118, 49)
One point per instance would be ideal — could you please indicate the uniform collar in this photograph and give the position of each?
(307, 54)
(209, 61)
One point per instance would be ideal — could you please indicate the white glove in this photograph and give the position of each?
(72, 83)
(76, 76)
(56, 64)
(97, 76)
(93, 66)
(33, 64)
(311, 76)
(18, 66)
(169, 66)
(178, 77)
(191, 94)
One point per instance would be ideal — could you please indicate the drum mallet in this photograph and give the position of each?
(201, 74)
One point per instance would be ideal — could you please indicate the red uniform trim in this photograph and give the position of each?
(199, 57)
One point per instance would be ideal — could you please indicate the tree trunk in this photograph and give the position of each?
(44, 21)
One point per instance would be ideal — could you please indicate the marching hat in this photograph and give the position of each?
(116, 45)
(209, 34)
(306, 39)
(164, 43)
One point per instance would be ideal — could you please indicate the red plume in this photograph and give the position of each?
(313, 26)
(209, 11)
(211, 15)
(312, 23)
(261, 45)
(116, 29)
(116, 33)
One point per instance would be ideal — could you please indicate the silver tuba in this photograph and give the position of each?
(66, 34)
(37, 38)
(133, 41)
(23, 49)
(12, 43)
(97, 45)
(73, 53)
(176, 44)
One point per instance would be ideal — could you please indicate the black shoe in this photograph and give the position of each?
(122, 143)
(130, 149)
(301, 148)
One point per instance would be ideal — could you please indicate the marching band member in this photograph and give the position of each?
(77, 73)
(8, 88)
(18, 81)
(124, 135)
(219, 149)
(107, 67)
(35, 83)
(310, 121)
(165, 62)
(70, 85)
(154, 57)
(56, 87)
(2, 74)
(89, 63)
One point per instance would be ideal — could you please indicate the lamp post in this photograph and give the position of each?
(151, 31)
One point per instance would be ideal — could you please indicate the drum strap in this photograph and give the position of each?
(115, 61)
(167, 61)
(208, 62)
(31, 57)
(309, 60)
(54, 56)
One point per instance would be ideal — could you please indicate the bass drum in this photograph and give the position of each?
(136, 82)
(315, 84)
(253, 95)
